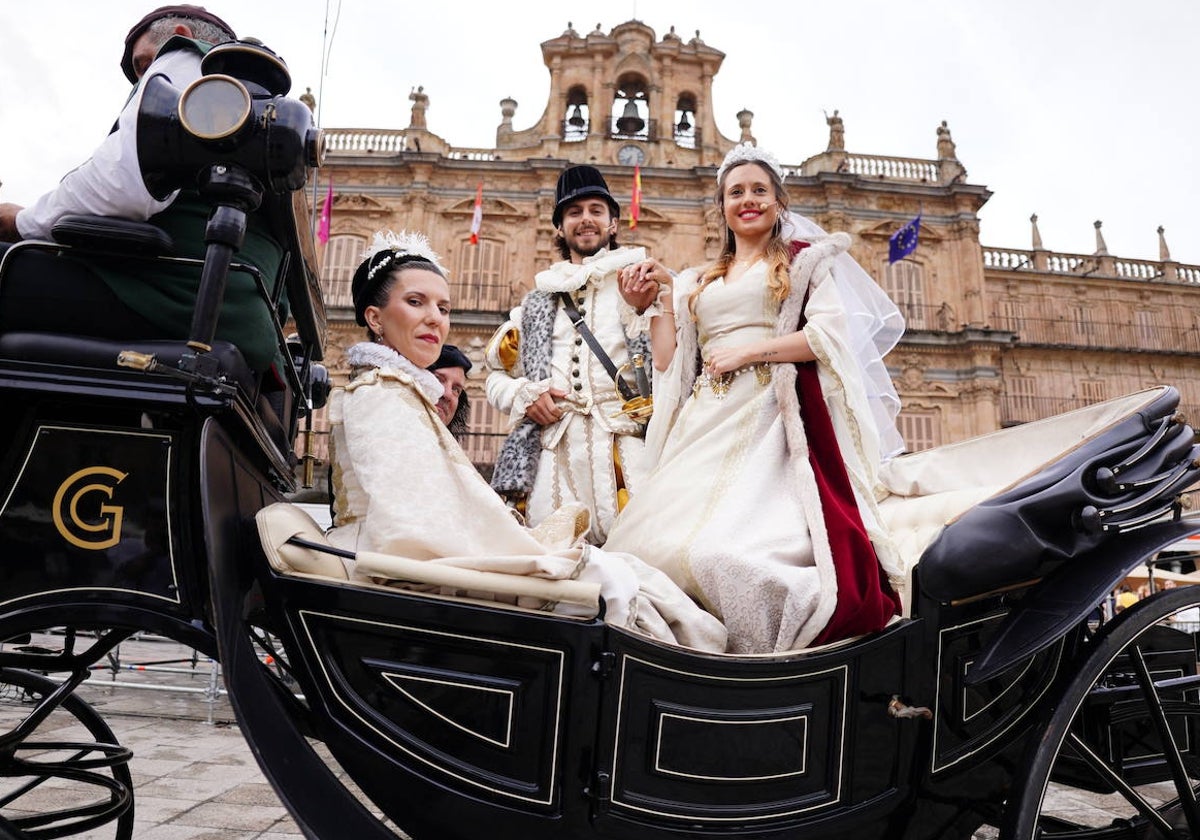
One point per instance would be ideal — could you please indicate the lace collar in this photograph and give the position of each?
(368, 354)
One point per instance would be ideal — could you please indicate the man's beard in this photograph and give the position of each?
(575, 249)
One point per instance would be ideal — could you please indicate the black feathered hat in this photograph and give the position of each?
(580, 182)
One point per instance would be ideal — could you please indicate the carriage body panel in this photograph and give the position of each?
(96, 497)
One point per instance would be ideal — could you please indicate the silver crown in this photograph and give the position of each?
(749, 153)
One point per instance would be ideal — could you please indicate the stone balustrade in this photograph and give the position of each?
(365, 141)
(1090, 265)
(382, 141)
(457, 153)
(892, 168)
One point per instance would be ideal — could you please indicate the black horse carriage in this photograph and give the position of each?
(143, 489)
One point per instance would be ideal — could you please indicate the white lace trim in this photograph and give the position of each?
(370, 354)
(526, 396)
(567, 276)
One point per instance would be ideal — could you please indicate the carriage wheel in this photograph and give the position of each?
(62, 772)
(1119, 753)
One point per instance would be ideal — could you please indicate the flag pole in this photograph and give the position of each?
(326, 48)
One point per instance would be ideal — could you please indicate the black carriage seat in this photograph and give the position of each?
(77, 351)
(142, 241)
(1008, 507)
(106, 234)
(295, 545)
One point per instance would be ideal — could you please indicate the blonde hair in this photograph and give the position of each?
(778, 254)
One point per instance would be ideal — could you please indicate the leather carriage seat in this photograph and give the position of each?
(104, 233)
(140, 241)
(102, 353)
(993, 510)
(280, 522)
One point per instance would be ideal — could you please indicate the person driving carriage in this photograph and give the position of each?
(141, 301)
(397, 470)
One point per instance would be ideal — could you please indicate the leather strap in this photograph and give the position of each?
(573, 313)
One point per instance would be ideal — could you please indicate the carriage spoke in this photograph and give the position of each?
(1183, 784)
(1131, 795)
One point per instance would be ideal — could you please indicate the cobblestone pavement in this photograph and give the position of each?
(194, 776)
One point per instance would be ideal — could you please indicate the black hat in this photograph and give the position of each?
(579, 182)
(182, 11)
(452, 357)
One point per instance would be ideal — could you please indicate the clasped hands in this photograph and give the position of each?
(644, 282)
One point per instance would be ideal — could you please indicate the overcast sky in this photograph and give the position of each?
(1076, 110)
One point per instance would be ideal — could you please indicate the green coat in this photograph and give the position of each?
(165, 293)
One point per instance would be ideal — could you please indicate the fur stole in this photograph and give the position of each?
(367, 355)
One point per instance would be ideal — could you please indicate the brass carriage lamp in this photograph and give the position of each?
(236, 114)
(234, 136)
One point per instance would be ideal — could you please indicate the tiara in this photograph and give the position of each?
(402, 244)
(747, 153)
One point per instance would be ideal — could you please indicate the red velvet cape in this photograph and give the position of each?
(865, 599)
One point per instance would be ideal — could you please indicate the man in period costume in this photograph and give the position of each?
(553, 363)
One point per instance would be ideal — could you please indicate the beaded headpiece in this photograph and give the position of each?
(388, 250)
(402, 244)
(749, 153)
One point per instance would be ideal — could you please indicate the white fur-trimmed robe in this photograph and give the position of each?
(731, 508)
(574, 458)
(404, 487)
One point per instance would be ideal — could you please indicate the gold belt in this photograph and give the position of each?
(721, 382)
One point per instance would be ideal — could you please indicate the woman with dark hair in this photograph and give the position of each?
(403, 487)
(773, 411)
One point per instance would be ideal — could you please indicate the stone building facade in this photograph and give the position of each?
(996, 336)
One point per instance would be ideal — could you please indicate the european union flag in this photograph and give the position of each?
(904, 241)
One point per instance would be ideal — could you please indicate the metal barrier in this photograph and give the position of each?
(135, 655)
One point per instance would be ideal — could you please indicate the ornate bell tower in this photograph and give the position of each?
(623, 98)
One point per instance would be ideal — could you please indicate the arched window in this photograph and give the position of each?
(342, 256)
(478, 283)
(578, 119)
(904, 282)
(631, 109)
(685, 122)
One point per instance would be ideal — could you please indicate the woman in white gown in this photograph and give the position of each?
(772, 413)
(404, 487)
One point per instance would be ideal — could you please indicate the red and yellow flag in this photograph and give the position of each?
(477, 219)
(635, 203)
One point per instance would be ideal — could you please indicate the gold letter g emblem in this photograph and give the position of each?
(108, 529)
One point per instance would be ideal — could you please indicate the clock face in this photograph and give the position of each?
(631, 155)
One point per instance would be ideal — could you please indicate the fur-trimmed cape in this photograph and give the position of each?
(832, 450)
